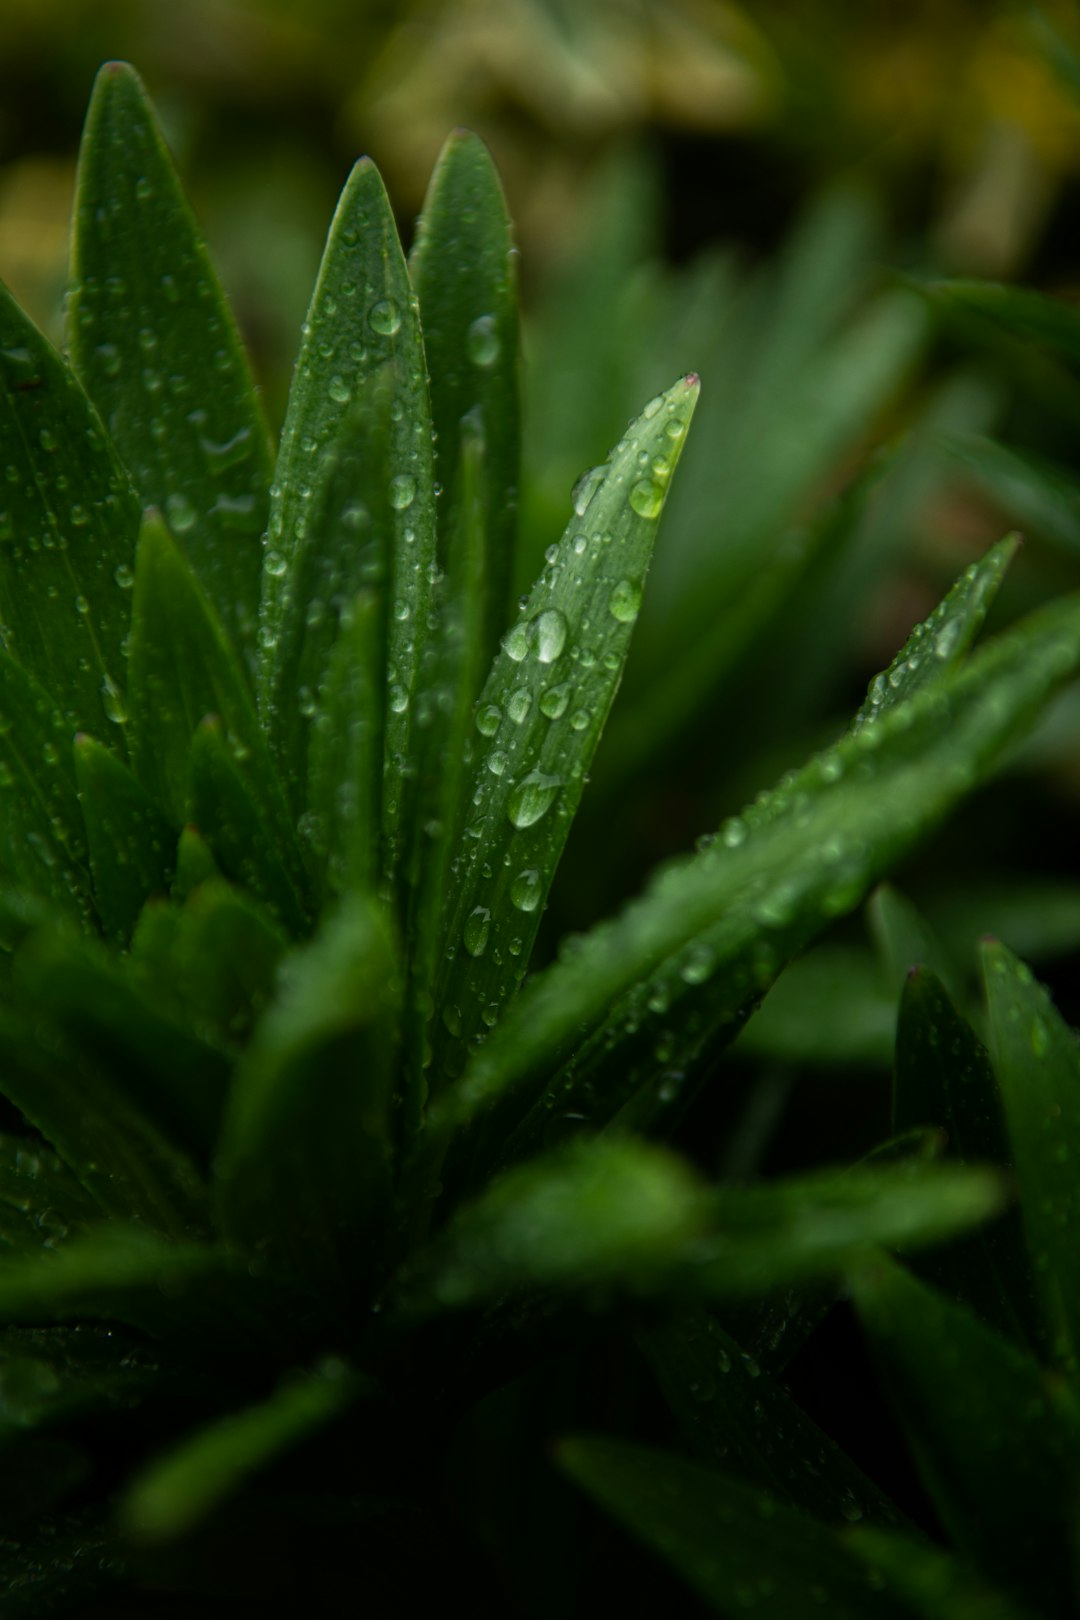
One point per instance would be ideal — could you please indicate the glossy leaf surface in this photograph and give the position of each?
(156, 347)
(539, 718)
(67, 530)
(461, 266)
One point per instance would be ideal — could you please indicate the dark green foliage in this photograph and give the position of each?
(303, 1189)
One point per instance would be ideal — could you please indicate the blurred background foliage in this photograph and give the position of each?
(773, 195)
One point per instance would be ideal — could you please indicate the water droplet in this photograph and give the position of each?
(385, 317)
(497, 762)
(518, 704)
(516, 642)
(50, 754)
(646, 498)
(476, 930)
(274, 564)
(80, 517)
(586, 487)
(554, 701)
(451, 1017)
(124, 576)
(180, 513)
(402, 491)
(548, 630)
(143, 188)
(525, 889)
(112, 701)
(398, 699)
(579, 720)
(697, 965)
(1040, 1037)
(624, 603)
(531, 798)
(487, 720)
(109, 356)
(482, 342)
(339, 391)
(733, 832)
(47, 439)
(82, 606)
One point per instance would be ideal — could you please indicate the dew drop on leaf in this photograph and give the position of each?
(339, 391)
(554, 701)
(109, 355)
(624, 603)
(525, 889)
(531, 798)
(112, 701)
(274, 564)
(482, 342)
(179, 513)
(402, 491)
(646, 498)
(549, 630)
(487, 719)
(516, 642)
(586, 487)
(385, 317)
(518, 704)
(476, 930)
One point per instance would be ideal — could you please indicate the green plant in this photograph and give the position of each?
(297, 1173)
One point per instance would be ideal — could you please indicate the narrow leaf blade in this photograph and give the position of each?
(130, 843)
(539, 719)
(462, 268)
(68, 524)
(1003, 1489)
(1037, 1063)
(155, 344)
(737, 1546)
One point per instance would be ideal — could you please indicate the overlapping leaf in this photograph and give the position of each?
(539, 717)
(1037, 1063)
(996, 1440)
(156, 347)
(461, 266)
(307, 1144)
(361, 327)
(687, 961)
(736, 1545)
(67, 532)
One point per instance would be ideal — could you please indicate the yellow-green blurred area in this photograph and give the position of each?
(957, 112)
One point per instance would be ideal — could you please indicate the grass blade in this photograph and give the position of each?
(462, 267)
(737, 1546)
(444, 771)
(627, 1216)
(114, 1150)
(40, 1199)
(171, 1075)
(182, 669)
(1020, 311)
(362, 320)
(716, 929)
(942, 641)
(943, 1077)
(1004, 1490)
(178, 1490)
(239, 828)
(69, 523)
(131, 845)
(731, 1414)
(42, 844)
(1037, 1063)
(345, 759)
(304, 1166)
(156, 347)
(539, 718)
(935, 1586)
